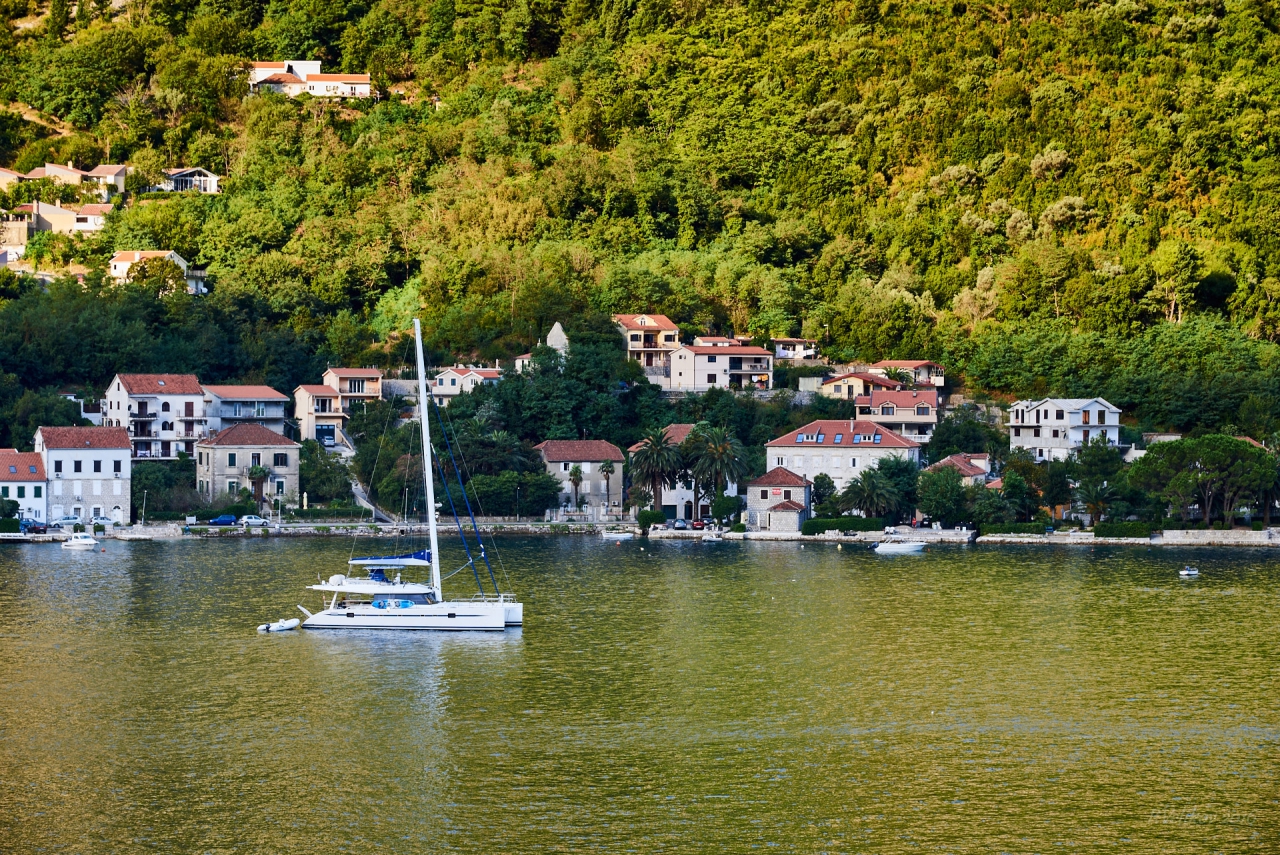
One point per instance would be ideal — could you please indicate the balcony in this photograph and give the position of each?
(142, 416)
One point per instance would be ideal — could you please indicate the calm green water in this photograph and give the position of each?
(683, 698)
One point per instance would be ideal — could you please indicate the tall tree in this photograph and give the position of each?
(656, 462)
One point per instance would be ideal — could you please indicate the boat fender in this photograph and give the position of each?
(304, 611)
(337, 579)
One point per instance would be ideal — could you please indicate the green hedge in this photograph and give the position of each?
(329, 513)
(1123, 529)
(812, 527)
(10, 525)
(1012, 528)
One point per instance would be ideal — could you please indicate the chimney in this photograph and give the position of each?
(71, 164)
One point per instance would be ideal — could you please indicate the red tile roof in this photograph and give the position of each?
(247, 434)
(660, 322)
(962, 462)
(795, 341)
(675, 433)
(316, 390)
(95, 210)
(21, 466)
(160, 384)
(787, 506)
(866, 378)
(780, 477)
(247, 393)
(997, 484)
(579, 450)
(829, 429)
(901, 398)
(84, 437)
(356, 372)
(282, 77)
(108, 170)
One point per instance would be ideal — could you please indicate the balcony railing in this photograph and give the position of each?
(141, 416)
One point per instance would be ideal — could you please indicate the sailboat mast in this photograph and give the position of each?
(426, 461)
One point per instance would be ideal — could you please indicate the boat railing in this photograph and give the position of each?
(492, 598)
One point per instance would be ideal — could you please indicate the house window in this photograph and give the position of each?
(764, 494)
(200, 457)
(356, 386)
(233, 487)
(1085, 434)
(566, 466)
(711, 359)
(255, 459)
(1059, 415)
(922, 410)
(1102, 417)
(779, 461)
(835, 463)
(280, 487)
(453, 381)
(22, 492)
(711, 379)
(115, 466)
(4, 493)
(97, 466)
(164, 408)
(37, 491)
(839, 437)
(1084, 417)
(786, 495)
(1035, 432)
(57, 466)
(231, 458)
(76, 466)
(635, 337)
(1017, 415)
(886, 410)
(1017, 431)
(280, 460)
(1055, 433)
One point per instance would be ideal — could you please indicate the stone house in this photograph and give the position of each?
(226, 460)
(561, 455)
(778, 501)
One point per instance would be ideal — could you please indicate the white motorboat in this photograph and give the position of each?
(80, 541)
(617, 535)
(899, 547)
(377, 601)
(712, 537)
(1188, 572)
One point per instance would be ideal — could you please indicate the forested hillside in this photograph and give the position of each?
(1044, 196)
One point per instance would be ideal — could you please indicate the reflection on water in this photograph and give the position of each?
(682, 696)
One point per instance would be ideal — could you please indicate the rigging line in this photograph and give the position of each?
(373, 514)
(494, 540)
(466, 501)
(456, 519)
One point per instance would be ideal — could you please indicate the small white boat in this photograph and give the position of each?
(280, 625)
(617, 535)
(80, 541)
(899, 547)
(1188, 572)
(711, 537)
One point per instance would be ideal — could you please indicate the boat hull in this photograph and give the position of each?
(456, 617)
(899, 548)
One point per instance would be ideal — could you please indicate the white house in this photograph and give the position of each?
(599, 493)
(92, 218)
(225, 406)
(650, 341)
(294, 77)
(840, 449)
(855, 385)
(22, 480)
(182, 180)
(163, 414)
(557, 340)
(677, 502)
(451, 382)
(122, 262)
(922, 371)
(88, 471)
(1052, 428)
(912, 413)
(720, 364)
(795, 348)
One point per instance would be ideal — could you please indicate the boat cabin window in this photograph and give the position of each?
(398, 600)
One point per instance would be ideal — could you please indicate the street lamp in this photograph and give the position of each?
(144, 507)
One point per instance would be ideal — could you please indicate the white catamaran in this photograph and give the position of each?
(374, 601)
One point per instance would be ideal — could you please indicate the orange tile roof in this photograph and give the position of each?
(84, 437)
(160, 384)
(660, 322)
(676, 434)
(356, 372)
(788, 505)
(779, 477)
(21, 466)
(575, 450)
(829, 429)
(245, 393)
(316, 389)
(247, 434)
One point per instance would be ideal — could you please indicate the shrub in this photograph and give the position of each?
(1123, 529)
(9, 526)
(1256, 525)
(738, 528)
(644, 519)
(77, 528)
(1012, 528)
(98, 528)
(812, 527)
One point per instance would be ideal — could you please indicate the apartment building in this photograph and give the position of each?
(650, 340)
(225, 406)
(560, 456)
(840, 449)
(1053, 428)
(912, 413)
(318, 413)
(248, 456)
(88, 471)
(718, 363)
(163, 413)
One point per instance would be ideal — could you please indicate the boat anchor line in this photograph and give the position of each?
(383, 600)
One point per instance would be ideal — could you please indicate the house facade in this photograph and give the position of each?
(678, 501)
(319, 416)
(601, 494)
(973, 468)
(923, 372)
(912, 413)
(354, 385)
(122, 262)
(88, 471)
(650, 340)
(721, 364)
(295, 77)
(163, 414)
(1053, 428)
(778, 501)
(186, 180)
(857, 384)
(795, 348)
(22, 480)
(451, 382)
(248, 456)
(841, 449)
(225, 406)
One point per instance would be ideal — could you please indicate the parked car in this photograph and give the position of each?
(680, 525)
(65, 522)
(699, 525)
(32, 527)
(253, 519)
(106, 522)
(225, 519)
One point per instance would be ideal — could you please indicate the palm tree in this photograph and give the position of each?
(656, 462)
(872, 493)
(720, 458)
(1095, 498)
(575, 478)
(606, 469)
(901, 375)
